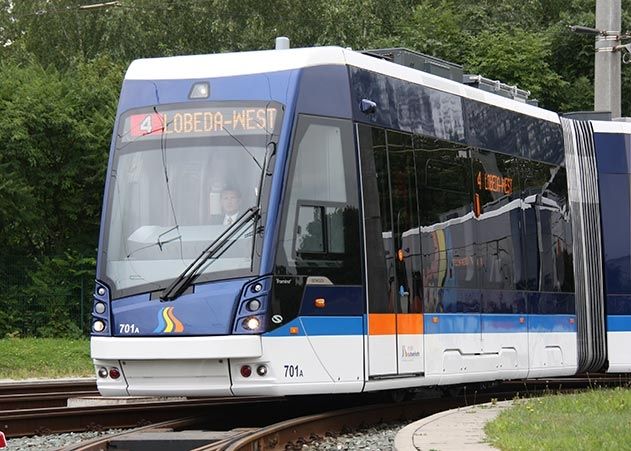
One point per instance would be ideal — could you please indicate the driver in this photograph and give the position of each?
(230, 200)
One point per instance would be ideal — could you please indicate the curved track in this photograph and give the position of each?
(301, 425)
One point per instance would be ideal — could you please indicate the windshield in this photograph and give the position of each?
(180, 177)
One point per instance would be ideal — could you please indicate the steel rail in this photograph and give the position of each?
(40, 400)
(47, 386)
(17, 423)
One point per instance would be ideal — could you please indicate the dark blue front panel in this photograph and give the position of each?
(270, 86)
(207, 311)
(324, 92)
(318, 326)
(418, 109)
(613, 158)
(339, 300)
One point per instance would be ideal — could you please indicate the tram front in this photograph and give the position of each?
(178, 292)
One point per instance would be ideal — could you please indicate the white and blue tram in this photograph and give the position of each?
(395, 230)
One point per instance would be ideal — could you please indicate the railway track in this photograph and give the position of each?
(219, 421)
(44, 394)
(303, 428)
(23, 422)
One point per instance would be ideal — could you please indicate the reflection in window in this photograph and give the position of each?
(447, 227)
(309, 230)
(498, 233)
(319, 230)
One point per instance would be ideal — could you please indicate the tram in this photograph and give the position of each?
(319, 220)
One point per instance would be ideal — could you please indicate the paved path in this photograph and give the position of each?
(454, 430)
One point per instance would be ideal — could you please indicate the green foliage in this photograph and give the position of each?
(597, 419)
(433, 28)
(53, 155)
(48, 300)
(516, 57)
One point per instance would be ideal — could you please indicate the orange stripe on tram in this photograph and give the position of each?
(409, 323)
(382, 324)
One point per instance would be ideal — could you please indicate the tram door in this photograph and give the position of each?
(406, 251)
(395, 342)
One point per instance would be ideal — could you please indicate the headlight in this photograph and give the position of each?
(99, 308)
(251, 323)
(253, 305)
(98, 326)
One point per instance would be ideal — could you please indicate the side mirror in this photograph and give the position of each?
(367, 106)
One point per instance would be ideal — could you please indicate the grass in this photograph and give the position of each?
(26, 358)
(595, 420)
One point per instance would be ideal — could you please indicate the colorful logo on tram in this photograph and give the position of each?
(168, 322)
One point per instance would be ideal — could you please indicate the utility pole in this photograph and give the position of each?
(607, 61)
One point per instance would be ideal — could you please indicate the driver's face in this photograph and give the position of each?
(230, 202)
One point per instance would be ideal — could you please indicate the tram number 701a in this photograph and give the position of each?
(293, 371)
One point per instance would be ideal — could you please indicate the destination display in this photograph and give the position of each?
(241, 120)
(494, 183)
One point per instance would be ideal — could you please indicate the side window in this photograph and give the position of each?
(447, 227)
(556, 199)
(498, 226)
(320, 229)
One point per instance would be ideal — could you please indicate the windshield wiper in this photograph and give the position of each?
(186, 278)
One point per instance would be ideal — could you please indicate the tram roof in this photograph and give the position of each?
(266, 61)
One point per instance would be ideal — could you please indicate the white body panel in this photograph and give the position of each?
(510, 354)
(298, 365)
(178, 366)
(456, 359)
(170, 366)
(410, 353)
(611, 127)
(552, 354)
(335, 364)
(619, 352)
(382, 358)
(177, 377)
(164, 348)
